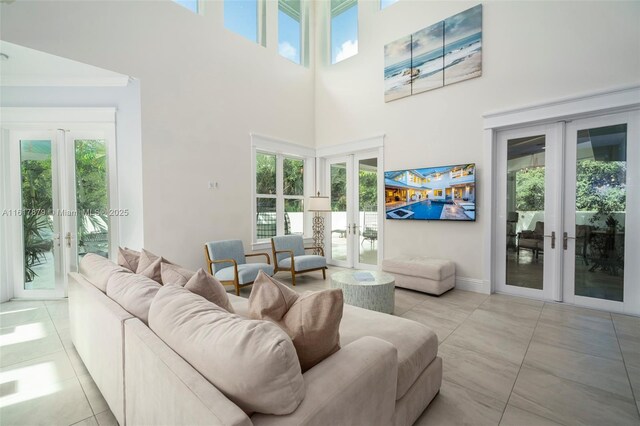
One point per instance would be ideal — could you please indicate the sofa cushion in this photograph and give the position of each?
(98, 269)
(417, 345)
(253, 363)
(305, 262)
(312, 319)
(128, 258)
(133, 292)
(174, 274)
(150, 266)
(205, 285)
(435, 269)
(247, 272)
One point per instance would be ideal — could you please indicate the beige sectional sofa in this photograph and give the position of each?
(386, 372)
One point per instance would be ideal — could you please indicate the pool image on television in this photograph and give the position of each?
(431, 193)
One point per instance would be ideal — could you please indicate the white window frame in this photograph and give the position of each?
(281, 149)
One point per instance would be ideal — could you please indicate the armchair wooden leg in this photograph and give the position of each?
(237, 286)
(293, 277)
(324, 274)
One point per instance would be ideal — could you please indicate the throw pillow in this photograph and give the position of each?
(133, 292)
(312, 319)
(150, 266)
(205, 285)
(128, 258)
(252, 362)
(174, 274)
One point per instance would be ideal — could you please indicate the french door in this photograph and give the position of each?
(59, 204)
(353, 237)
(568, 207)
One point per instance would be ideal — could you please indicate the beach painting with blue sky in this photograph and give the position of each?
(463, 46)
(427, 60)
(397, 69)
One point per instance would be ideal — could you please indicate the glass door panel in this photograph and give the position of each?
(340, 225)
(367, 186)
(92, 198)
(525, 211)
(40, 224)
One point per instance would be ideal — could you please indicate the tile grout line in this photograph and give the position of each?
(633, 395)
(462, 322)
(522, 362)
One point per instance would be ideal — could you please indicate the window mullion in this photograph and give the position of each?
(279, 195)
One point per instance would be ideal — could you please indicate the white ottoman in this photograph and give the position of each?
(433, 276)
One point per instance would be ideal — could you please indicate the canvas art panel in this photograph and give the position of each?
(463, 46)
(427, 61)
(397, 69)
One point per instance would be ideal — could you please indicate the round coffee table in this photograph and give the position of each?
(366, 289)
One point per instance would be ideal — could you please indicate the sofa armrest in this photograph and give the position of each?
(354, 386)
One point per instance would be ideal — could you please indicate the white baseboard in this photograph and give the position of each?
(473, 284)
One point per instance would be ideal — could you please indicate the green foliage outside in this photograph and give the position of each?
(601, 188)
(368, 189)
(293, 175)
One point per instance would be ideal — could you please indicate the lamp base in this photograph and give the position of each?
(318, 233)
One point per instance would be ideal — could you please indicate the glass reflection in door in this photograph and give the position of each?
(525, 212)
(39, 225)
(601, 212)
(339, 222)
(368, 211)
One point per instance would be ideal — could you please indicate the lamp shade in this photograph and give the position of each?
(319, 204)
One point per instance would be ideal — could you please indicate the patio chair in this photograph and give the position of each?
(289, 255)
(227, 262)
(531, 240)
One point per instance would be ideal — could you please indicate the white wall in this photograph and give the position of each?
(532, 52)
(126, 100)
(203, 90)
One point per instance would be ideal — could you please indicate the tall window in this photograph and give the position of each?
(344, 29)
(279, 195)
(192, 5)
(245, 17)
(385, 3)
(290, 29)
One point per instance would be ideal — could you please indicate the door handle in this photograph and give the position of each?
(553, 239)
(565, 239)
(56, 238)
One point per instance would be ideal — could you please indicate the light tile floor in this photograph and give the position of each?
(507, 361)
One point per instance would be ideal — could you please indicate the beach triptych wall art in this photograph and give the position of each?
(444, 53)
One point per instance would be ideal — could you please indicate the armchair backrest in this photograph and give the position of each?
(226, 249)
(539, 229)
(288, 242)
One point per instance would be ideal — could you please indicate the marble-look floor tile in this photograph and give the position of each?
(76, 361)
(96, 400)
(456, 405)
(514, 416)
(634, 378)
(578, 318)
(504, 323)
(65, 337)
(603, 373)
(21, 313)
(514, 310)
(628, 332)
(18, 305)
(464, 299)
(477, 372)
(442, 327)
(91, 421)
(23, 342)
(490, 341)
(62, 403)
(58, 308)
(41, 371)
(506, 298)
(106, 418)
(585, 341)
(626, 325)
(406, 299)
(568, 402)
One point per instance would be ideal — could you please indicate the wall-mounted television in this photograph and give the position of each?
(431, 193)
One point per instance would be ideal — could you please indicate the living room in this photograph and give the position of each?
(209, 121)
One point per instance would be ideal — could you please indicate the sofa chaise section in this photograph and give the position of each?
(97, 331)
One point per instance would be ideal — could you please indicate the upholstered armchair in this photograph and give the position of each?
(227, 262)
(289, 255)
(532, 240)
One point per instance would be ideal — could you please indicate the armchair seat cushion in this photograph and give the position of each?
(304, 263)
(247, 272)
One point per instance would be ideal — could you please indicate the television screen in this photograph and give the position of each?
(431, 193)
